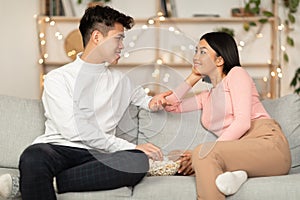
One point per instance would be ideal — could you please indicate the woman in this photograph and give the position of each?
(249, 141)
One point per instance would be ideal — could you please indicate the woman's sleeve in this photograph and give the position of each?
(180, 104)
(240, 88)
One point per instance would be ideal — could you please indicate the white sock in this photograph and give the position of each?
(230, 182)
(5, 185)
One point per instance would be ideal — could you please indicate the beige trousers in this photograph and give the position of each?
(262, 151)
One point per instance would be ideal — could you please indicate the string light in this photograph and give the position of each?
(151, 21)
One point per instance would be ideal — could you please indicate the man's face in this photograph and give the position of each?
(109, 47)
(112, 44)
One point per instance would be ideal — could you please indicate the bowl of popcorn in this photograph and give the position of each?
(163, 168)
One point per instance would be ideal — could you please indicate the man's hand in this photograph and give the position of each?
(152, 151)
(158, 102)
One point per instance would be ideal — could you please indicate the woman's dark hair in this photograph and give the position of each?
(224, 45)
(102, 19)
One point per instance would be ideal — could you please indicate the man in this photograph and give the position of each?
(84, 101)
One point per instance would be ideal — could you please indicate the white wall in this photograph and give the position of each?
(19, 71)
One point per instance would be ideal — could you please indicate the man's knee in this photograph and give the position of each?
(33, 156)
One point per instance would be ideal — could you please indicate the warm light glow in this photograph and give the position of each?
(281, 27)
(159, 61)
(145, 27)
(265, 79)
(273, 74)
(240, 48)
(147, 90)
(47, 19)
(279, 75)
(242, 43)
(283, 48)
(162, 18)
(160, 14)
(171, 28)
(259, 35)
(131, 44)
(269, 62)
(43, 42)
(46, 55)
(42, 35)
(278, 69)
(150, 21)
(52, 23)
(41, 61)
(126, 54)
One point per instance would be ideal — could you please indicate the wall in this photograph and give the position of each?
(19, 71)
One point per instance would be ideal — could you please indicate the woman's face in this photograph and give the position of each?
(204, 58)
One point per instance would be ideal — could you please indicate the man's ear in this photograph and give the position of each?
(96, 36)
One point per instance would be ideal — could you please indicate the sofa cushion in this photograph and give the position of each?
(286, 111)
(21, 121)
(171, 131)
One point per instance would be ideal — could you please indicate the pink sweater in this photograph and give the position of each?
(228, 108)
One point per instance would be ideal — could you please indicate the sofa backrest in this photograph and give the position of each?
(286, 111)
(172, 131)
(21, 121)
(184, 131)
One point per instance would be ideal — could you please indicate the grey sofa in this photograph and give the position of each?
(22, 120)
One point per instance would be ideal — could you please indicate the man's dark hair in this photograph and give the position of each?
(102, 19)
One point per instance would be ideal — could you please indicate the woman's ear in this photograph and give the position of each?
(220, 61)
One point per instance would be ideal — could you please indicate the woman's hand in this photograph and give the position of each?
(194, 77)
(186, 164)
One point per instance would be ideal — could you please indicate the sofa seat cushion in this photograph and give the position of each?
(21, 121)
(286, 111)
(184, 187)
(275, 188)
(123, 193)
(165, 188)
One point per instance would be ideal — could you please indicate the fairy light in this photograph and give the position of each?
(162, 18)
(259, 35)
(281, 27)
(42, 35)
(282, 48)
(43, 42)
(131, 44)
(151, 21)
(52, 23)
(273, 74)
(171, 28)
(47, 19)
(41, 61)
(159, 61)
(144, 27)
(46, 56)
(147, 90)
(278, 70)
(265, 79)
(126, 54)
